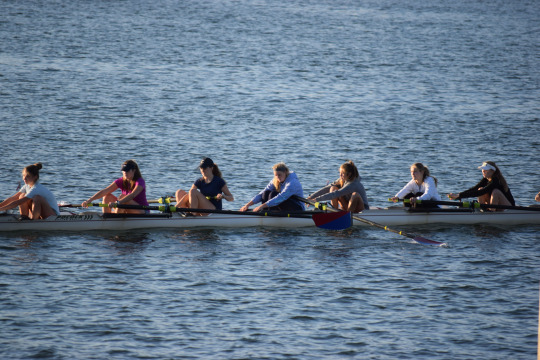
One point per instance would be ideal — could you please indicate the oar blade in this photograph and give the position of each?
(333, 221)
(423, 240)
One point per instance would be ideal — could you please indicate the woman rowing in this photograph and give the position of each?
(206, 192)
(347, 191)
(491, 190)
(422, 186)
(133, 190)
(34, 200)
(277, 195)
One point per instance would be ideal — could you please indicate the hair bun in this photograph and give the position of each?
(38, 165)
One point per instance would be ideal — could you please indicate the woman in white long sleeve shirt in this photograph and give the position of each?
(423, 186)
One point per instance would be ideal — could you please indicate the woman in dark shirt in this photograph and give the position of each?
(206, 192)
(491, 190)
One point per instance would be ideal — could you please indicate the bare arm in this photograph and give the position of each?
(136, 191)
(109, 189)
(10, 199)
(226, 194)
(246, 207)
(13, 202)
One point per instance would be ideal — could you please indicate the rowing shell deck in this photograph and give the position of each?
(390, 217)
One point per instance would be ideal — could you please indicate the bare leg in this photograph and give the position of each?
(24, 208)
(41, 208)
(356, 204)
(131, 211)
(182, 199)
(484, 199)
(198, 201)
(498, 198)
(109, 199)
(344, 203)
(335, 202)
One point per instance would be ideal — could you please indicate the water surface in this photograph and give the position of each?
(88, 85)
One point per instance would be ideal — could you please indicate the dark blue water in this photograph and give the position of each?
(85, 86)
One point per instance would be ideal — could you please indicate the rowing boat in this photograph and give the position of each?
(397, 216)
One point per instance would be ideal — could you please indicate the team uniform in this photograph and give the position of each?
(348, 188)
(42, 191)
(141, 197)
(426, 191)
(282, 200)
(211, 190)
(486, 187)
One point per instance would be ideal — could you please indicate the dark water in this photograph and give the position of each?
(86, 85)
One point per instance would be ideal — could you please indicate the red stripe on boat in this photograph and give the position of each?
(333, 221)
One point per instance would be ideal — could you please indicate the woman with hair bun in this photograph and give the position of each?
(34, 200)
(276, 196)
(133, 190)
(347, 191)
(206, 192)
(423, 186)
(491, 190)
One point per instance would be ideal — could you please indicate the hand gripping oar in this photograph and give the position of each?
(321, 219)
(472, 205)
(418, 239)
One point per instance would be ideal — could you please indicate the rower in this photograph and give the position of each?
(422, 186)
(133, 191)
(34, 200)
(206, 192)
(277, 195)
(491, 190)
(346, 192)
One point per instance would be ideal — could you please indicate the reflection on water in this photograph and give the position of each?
(489, 231)
(129, 242)
(204, 235)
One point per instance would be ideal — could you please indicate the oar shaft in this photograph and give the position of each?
(163, 200)
(79, 205)
(474, 205)
(369, 222)
(170, 208)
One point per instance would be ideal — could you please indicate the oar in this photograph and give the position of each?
(74, 205)
(473, 205)
(321, 219)
(163, 200)
(172, 199)
(418, 239)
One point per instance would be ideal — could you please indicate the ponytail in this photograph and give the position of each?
(497, 174)
(216, 171)
(34, 170)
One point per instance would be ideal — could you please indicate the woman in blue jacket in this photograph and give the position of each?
(276, 196)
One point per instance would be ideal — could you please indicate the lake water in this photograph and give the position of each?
(86, 85)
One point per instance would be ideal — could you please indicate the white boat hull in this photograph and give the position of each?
(389, 217)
